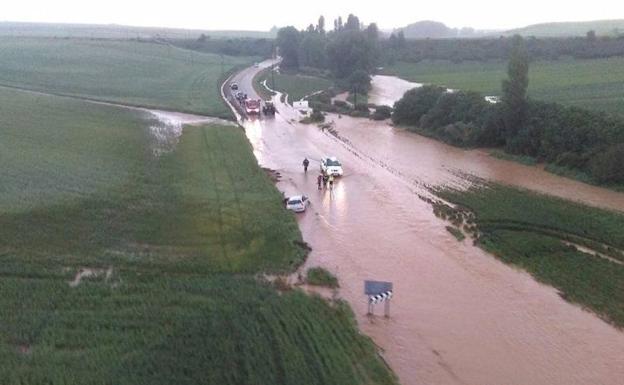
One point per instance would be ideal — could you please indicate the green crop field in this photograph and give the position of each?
(572, 28)
(543, 234)
(111, 31)
(296, 86)
(593, 83)
(128, 255)
(128, 72)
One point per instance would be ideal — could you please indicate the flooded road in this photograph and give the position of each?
(459, 316)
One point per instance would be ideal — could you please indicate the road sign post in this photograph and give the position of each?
(377, 292)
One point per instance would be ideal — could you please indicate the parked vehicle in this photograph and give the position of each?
(268, 108)
(234, 86)
(330, 165)
(297, 203)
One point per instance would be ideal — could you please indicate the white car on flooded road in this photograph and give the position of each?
(297, 203)
(330, 165)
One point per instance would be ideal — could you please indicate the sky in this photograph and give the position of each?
(263, 14)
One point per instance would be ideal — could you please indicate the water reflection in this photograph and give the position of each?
(253, 130)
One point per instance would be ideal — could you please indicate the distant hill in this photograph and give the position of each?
(428, 29)
(114, 31)
(575, 28)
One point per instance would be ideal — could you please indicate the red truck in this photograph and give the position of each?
(252, 107)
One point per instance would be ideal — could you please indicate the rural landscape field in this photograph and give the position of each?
(129, 72)
(99, 221)
(589, 83)
(444, 206)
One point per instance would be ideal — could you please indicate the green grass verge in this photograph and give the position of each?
(258, 85)
(127, 72)
(592, 83)
(319, 276)
(296, 86)
(172, 239)
(535, 231)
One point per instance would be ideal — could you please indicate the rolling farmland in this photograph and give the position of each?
(127, 257)
(593, 83)
(128, 72)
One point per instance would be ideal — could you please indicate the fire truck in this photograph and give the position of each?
(252, 107)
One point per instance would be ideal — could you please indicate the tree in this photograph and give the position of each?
(372, 32)
(288, 39)
(321, 25)
(350, 51)
(591, 36)
(515, 87)
(353, 23)
(312, 50)
(606, 167)
(359, 82)
(401, 39)
(415, 103)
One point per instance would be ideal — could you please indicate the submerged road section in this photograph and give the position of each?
(458, 316)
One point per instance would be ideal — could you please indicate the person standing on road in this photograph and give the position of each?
(319, 181)
(325, 178)
(306, 163)
(331, 182)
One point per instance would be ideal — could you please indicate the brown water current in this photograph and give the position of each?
(459, 316)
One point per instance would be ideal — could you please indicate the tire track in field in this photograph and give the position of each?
(194, 92)
(235, 193)
(217, 194)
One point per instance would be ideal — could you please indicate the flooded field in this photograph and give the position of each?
(388, 89)
(459, 316)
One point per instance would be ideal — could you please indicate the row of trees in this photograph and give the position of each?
(349, 52)
(228, 46)
(571, 137)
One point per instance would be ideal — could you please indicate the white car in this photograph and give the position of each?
(330, 165)
(297, 203)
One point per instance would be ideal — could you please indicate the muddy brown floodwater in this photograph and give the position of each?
(459, 316)
(388, 89)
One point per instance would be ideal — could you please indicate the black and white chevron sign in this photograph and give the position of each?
(373, 299)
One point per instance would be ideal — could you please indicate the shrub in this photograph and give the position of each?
(607, 166)
(361, 107)
(320, 277)
(382, 113)
(415, 103)
(341, 104)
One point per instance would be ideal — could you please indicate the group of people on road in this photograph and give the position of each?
(323, 180)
